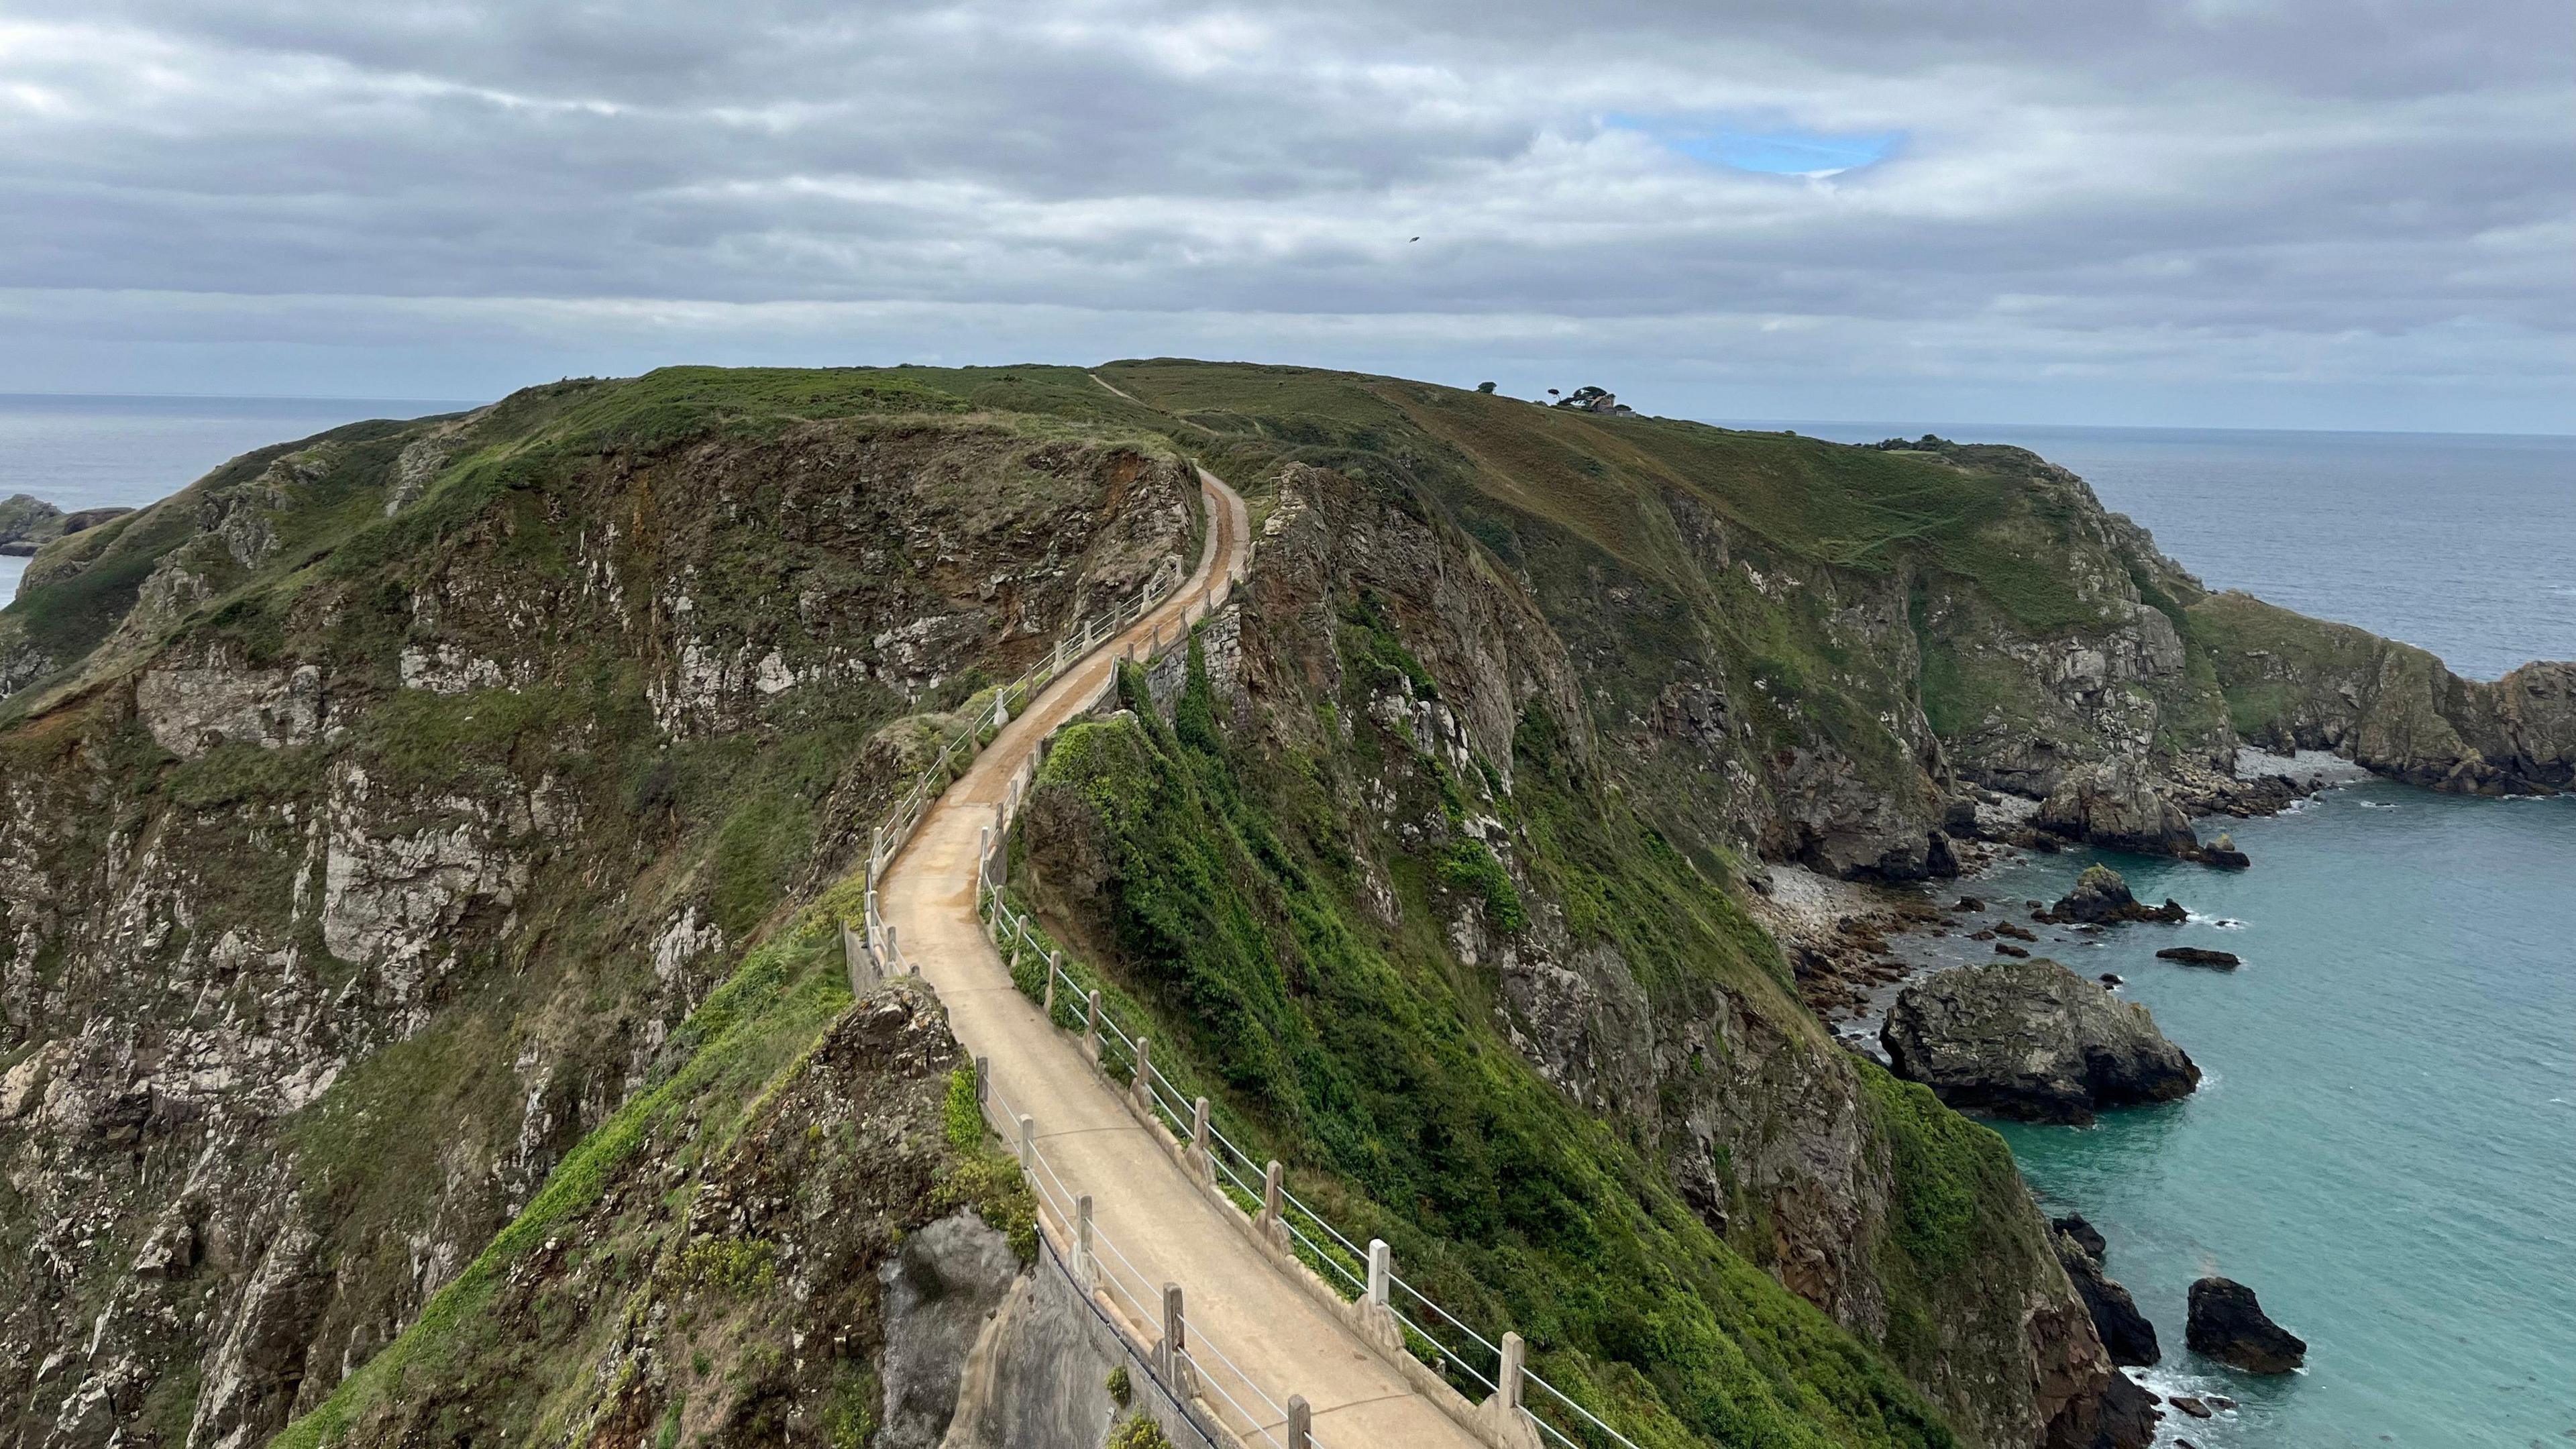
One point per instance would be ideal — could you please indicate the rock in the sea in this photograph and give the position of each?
(2126, 1334)
(2086, 1236)
(2191, 1406)
(2223, 853)
(2102, 896)
(2201, 956)
(2227, 1324)
(2032, 1040)
(1969, 903)
(2112, 978)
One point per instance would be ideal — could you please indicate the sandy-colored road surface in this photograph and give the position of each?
(1237, 1299)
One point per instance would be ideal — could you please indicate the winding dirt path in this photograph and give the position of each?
(1165, 1229)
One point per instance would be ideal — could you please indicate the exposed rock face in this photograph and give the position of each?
(2392, 707)
(2124, 1416)
(2227, 1324)
(2201, 956)
(2101, 897)
(2126, 1334)
(2032, 1040)
(2113, 805)
(330, 924)
(940, 1288)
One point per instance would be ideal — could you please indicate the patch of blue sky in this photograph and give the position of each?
(1772, 150)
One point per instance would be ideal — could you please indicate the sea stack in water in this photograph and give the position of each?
(2227, 1324)
(2201, 956)
(2223, 853)
(2101, 896)
(2032, 1040)
(2125, 1332)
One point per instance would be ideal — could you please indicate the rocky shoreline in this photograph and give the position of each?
(1853, 944)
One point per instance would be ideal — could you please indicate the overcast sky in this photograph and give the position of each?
(2309, 213)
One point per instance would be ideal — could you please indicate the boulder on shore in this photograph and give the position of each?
(2115, 804)
(2031, 1040)
(2125, 1332)
(2227, 1324)
(2101, 896)
(2201, 956)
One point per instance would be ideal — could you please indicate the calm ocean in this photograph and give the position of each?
(2385, 1145)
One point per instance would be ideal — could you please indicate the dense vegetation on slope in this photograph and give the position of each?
(1368, 1054)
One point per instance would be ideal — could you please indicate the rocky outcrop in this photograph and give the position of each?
(2115, 806)
(2201, 956)
(2031, 1040)
(2100, 897)
(2126, 1334)
(2122, 1416)
(941, 1288)
(331, 920)
(2391, 707)
(2227, 1324)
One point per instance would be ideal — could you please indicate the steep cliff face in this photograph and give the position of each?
(1385, 878)
(2293, 682)
(416, 846)
(375, 813)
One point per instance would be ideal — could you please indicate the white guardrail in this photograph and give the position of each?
(1188, 1364)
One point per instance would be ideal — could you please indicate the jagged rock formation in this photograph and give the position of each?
(2032, 1040)
(2100, 896)
(2126, 1334)
(2297, 683)
(2227, 1324)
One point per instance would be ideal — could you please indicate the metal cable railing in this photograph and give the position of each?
(1168, 1102)
(1114, 1272)
(905, 817)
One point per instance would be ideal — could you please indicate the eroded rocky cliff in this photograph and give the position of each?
(416, 846)
(376, 813)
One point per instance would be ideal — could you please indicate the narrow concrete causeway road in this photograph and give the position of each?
(1237, 1300)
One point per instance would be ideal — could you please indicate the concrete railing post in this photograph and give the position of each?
(1273, 1221)
(983, 1081)
(1199, 1140)
(1028, 1145)
(984, 857)
(1142, 1088)
(1515, 1364)
(1085, 1270)
(1054, 958)
(1175, 1348)
(1301, 1423)
(894, 947)
(1381, 1270)
(1091, 1029)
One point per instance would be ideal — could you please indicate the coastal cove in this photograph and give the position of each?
(2382, 1144)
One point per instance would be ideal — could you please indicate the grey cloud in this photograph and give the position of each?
(2082, 184)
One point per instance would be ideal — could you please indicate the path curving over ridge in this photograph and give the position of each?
(1238, 1299)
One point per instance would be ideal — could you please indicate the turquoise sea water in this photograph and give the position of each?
(2384, 1146)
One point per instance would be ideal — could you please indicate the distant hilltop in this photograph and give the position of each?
(28, 524)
